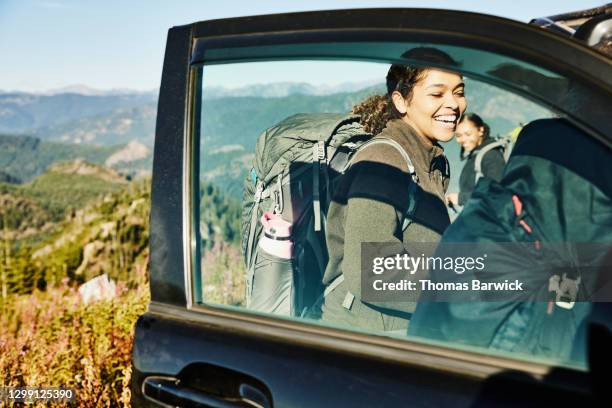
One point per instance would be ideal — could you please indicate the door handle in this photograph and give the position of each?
(168, 391)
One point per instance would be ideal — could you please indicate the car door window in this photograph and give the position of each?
(277, 138)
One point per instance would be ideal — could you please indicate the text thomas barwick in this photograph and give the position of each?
(426, 284)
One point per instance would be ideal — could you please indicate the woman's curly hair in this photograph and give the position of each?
(377, 110)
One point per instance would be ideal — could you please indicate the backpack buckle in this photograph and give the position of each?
(258, 191)
(278, 195)
(565, 290)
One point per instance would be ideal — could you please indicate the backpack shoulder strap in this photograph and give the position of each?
(412, 188)
(503, 144)
(328, 125)
(395, 145)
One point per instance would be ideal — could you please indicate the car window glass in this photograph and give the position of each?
(278, 144)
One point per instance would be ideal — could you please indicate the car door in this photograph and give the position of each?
(192, 351)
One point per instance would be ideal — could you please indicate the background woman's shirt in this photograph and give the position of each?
(492, 167)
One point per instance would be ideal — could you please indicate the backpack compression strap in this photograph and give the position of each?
(503, 143)
(319, 162)
(318, 159)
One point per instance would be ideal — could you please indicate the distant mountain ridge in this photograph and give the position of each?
(82, 89)
(231, 118)
(23, 112)
(87, 90)
(282, 89)
(54, 110)
(118, 126)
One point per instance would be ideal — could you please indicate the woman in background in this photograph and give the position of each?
(473, 135)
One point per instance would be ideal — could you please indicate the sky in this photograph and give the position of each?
(51, 44)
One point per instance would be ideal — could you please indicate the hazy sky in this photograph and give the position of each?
(48, 44)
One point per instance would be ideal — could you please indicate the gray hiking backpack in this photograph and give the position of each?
(297, 165)
(504, 143)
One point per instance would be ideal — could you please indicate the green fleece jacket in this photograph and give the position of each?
(372, 198)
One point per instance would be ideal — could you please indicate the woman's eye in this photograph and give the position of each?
(460, 93)
(437, 94)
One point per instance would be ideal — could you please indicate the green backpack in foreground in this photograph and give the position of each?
(296, 165)
(553, 205)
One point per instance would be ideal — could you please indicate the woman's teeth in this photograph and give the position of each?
(446, 118)
(447, 121)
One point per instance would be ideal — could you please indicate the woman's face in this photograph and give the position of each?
(437, 103)
(468, 135)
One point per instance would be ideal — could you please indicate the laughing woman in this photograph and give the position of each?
(377, 200)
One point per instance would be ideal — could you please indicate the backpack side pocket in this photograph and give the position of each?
(270, 283)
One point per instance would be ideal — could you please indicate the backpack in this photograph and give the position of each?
(298, 163)
(553, 206)
(504, 143)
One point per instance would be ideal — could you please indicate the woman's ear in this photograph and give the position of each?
(399, 102)
(481, 131)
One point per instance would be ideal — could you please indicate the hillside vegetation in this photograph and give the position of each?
(107, 236)
(68, 186)
(19, 212)
(51, 338)
(64, 188)
(24, 157)
(47, 334)
(80, 220)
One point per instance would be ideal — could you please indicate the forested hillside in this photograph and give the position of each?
(24, 157)
(75, 222)
(62, 189)
(79, 220)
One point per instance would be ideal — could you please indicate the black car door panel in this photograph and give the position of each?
(188, 353)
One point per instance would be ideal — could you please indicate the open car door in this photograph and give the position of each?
(193, 348)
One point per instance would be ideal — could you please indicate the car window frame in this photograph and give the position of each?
(402, 351)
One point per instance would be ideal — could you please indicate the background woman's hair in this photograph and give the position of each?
(377, 110)
(478, 122)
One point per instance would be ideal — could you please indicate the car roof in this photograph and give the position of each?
(591, 26)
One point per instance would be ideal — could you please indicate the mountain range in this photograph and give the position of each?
(22, 112)
(98, 125)
(281, 89)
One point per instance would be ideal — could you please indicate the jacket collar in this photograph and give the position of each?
(412, 140)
